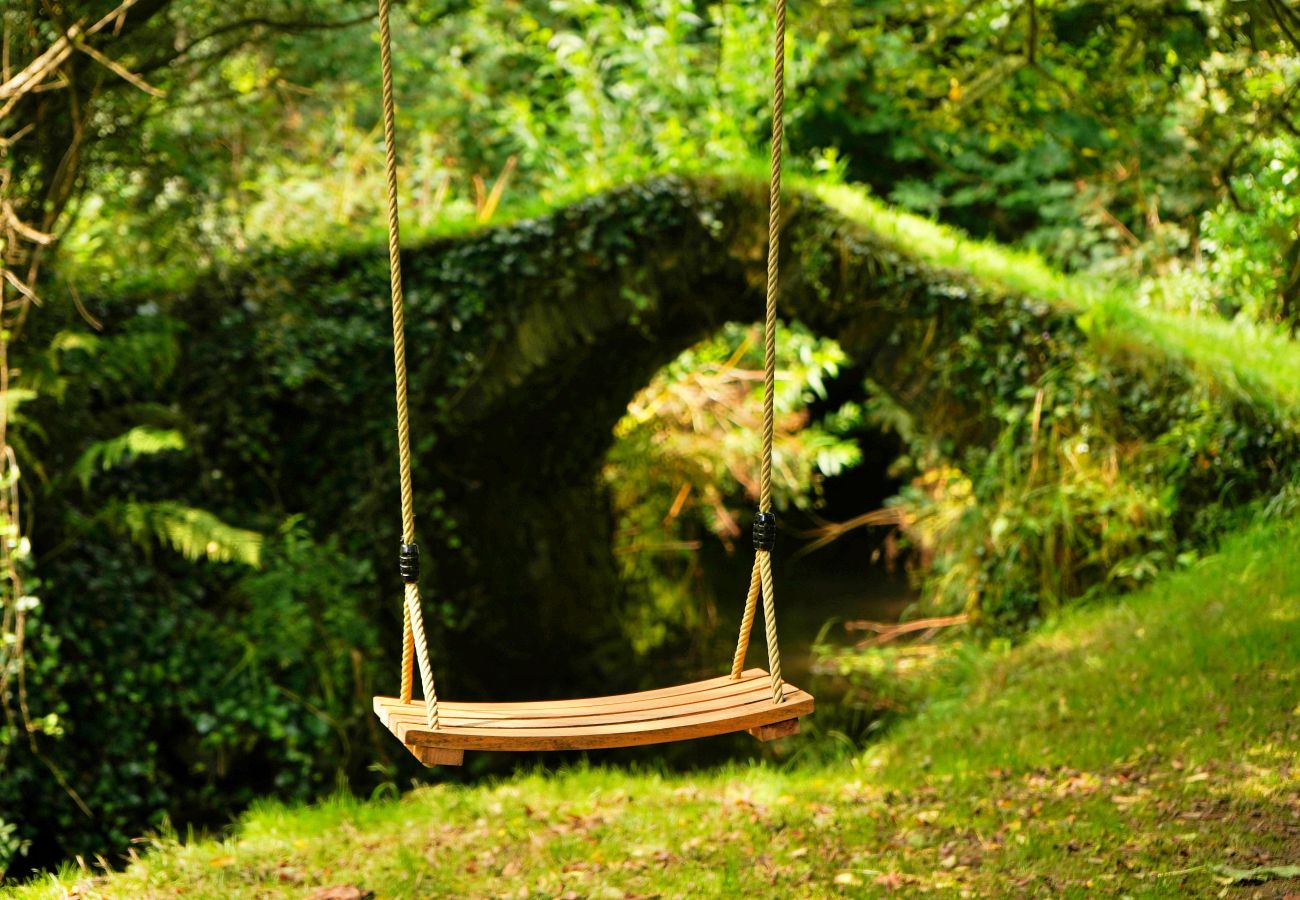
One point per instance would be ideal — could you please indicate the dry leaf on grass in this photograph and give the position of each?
(341, 892)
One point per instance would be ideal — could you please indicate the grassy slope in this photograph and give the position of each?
(1257, 359)
(1128, 748)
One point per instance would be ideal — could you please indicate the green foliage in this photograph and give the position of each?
(307, 640)
(140, 357)
(555, 319)
(190, 704)
(11, 845)
(686, 458)
(94, 751)
(193, 533)
(1053, 458)
(546, 100)
(885, 684)
(1070, 501)
(1251, 240)
(1097, 133)
(284, 360)
(127, 365)
(142, 440)
(1120, 454)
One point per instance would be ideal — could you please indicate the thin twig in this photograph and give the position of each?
(829, 532)
(119, 70)
(886, 632)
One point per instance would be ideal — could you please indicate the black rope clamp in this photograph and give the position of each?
(408, 563)
(765, 531)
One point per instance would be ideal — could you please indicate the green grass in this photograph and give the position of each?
(1257, 359)
(1127, 749)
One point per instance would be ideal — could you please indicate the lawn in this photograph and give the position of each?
(1146, 746)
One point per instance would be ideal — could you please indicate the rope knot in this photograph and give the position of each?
(408, 563)
(765, 531)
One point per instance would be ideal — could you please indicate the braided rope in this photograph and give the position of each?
(746, 622)
(773, 255)
(413, 619)
(764, 560)
(762, 573)
(408, 655)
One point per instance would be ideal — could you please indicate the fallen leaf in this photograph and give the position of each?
(341, 892)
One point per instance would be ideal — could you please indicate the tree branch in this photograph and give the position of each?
(248, 24)
(119, 70)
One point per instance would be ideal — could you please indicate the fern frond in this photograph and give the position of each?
(16, 397)
(125, 361)
(194, 533)
(142, 440)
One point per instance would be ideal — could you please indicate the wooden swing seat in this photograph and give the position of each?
(700, 709)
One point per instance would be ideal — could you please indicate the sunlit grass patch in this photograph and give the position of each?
(1252, 357)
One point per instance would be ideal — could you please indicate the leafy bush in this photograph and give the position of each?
(1252, 240)
(152, 684)
(169, 690)
(1102, 475)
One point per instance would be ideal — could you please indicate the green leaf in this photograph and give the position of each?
(194, 533)
(139, 441)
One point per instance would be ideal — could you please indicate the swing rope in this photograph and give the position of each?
(414, 644)
(413, 639)
(760, 579)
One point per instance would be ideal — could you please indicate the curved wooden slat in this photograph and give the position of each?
(699, 701)
(700, 709)
(412, 719)
(724, 682)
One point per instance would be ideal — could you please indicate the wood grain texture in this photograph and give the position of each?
(609, 714)
(700, 709)
(435, 756)
(723, 682)
(776, 730)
